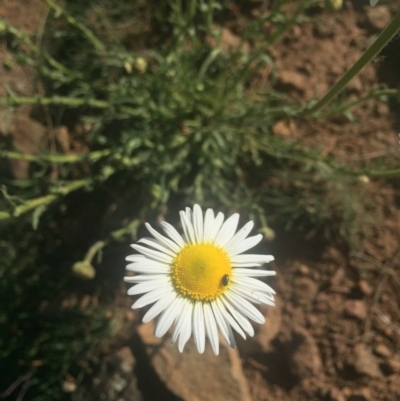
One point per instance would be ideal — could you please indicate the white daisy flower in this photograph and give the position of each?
(201, 282)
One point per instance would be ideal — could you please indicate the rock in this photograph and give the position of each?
(130, 315)
(232, 41)
(355, 85)
(395, 364)
(355, 309)
(28, 21)
(64, 139)
(304, 291)
(293, 80)
(378, 17)
(335, 395)
(337, 277)
(365, 288)
(360, 395)
(322, 302)
(114, 380)
(146, 333)
(303, 269)
(382, 350)
(296, 31)
(268, 331)
(27, 136)
(283, 128)
(229, 41)
(195, 377)
(365, 363)
(69, 385)
(125, 359)
(339, 284)
(305, 359)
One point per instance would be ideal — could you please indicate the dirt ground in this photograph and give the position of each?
(335, 332)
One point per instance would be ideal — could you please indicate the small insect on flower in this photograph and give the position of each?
(225, 280)
(202, 281)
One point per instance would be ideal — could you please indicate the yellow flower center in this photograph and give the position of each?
(201, 271)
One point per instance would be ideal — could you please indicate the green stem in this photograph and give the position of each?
(71, 20)
(55, 100)
(368, 55)
(43, 200)
(34, 49)
(15, 101)
(311, 159)
(91, 253)
(92, 156)
(287, 24)
(130, 228)
(371, 95)
(114, 236)
(84, 268)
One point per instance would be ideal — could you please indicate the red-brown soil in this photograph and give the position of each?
(335, 332)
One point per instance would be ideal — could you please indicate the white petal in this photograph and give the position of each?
(198, 327)
(216, 226)
(142, 278)
(230, 320)
(255, 297)
(267, 299)
(154, 255)
(245, 307)
(227, 230)
(152, 296)
(150, 266)
(156, 245)
(208, 224)
(187, 228)
(246, 244)
(172, 233)
(253, 284)
(163, 240)
(179, 322)
(237, 272)
(237, 239)
(211, 327)
(186, 326)
(248, 264)
(223, 325)
(198, 223)
(148, 286)
(135, 258)
(159, 307)
(252, 258)
(242, 320)
(188, 212)
(248, 295)
(167, 317)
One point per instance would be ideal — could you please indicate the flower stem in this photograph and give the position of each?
(14, 101)
(92, 156)
(90, 36)
(43, 200)
(21, 36)
(371, 95)
(96, 247)
(368, 55)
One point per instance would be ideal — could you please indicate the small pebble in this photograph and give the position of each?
(356, 309)
(382, 350)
